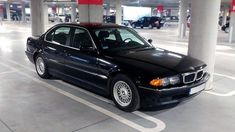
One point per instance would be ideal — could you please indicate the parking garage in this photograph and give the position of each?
(200, 29)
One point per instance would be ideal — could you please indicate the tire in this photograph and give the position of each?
(122, 85)
(41, 67)
(226, 30)
(150, 26)
(133, 25)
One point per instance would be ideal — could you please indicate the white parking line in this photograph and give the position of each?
(6, 72)
(222, 75)
(160, 125)
(219, 94)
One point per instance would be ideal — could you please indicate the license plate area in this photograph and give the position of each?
(197, 89)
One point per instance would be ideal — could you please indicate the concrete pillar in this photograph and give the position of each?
(73, 12)
(118, 5)
(183, 18)
(232, 28)
(37, 17)
(107, 9)
(1, 12)
(23, 17)
(45, 13)
(63, 10)
(203, 37)
(91, 13)
(8, 11)
(225, 13)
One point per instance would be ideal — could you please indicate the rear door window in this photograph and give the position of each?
(81, 38)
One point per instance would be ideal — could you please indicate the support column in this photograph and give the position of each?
(37, 17)
(1, 13)
(23, 17)
(232, 28)
(8, 11)
(183, 18)
(107, 9)
(118, 5)
(225, 13)
(232, 23)
(45, 13)
(91, 13)
(203, 37)
(73, 12)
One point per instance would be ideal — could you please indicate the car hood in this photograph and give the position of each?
(162, 58)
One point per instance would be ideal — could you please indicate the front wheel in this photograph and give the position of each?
(41, 67)
(150, 26)
(124, 93)
(226, 30)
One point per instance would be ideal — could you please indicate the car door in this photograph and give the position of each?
(53, 45)
(80, 62)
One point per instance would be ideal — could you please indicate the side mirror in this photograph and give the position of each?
(150, 41)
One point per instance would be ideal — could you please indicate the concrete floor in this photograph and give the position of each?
(30, 104)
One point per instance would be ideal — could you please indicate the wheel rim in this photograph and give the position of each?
(40, 66)
(122, 93)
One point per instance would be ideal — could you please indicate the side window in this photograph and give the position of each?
(61, 35)
(125, 35)
(81, 38)
(50, 35)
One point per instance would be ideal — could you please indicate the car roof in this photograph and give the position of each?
(93, 25)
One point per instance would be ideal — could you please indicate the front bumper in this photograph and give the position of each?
(155, 97)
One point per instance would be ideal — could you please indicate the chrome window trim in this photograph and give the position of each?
(64, 25)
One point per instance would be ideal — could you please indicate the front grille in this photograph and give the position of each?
(199, 74)
(191, 77)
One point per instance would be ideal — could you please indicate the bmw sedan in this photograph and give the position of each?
(117, 62)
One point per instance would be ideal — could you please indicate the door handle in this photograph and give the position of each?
(66, 53)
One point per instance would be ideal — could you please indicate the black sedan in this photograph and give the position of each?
(115, 61)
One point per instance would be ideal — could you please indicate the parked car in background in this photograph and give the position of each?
(225, 28)
(149, 22)
(53, 17)
(109, 19)
(61, 17)
(171, 18)
(188, 21)
(115, 61)
(125, 23)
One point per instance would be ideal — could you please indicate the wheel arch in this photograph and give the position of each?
(113, 73)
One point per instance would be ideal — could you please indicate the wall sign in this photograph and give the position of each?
(90, 2)
(233, 6)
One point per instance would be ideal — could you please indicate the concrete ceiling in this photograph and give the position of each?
(149, 3)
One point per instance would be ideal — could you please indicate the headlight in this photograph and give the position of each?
(165, 81)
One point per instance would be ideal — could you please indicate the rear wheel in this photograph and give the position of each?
(41, 67)
(133, 25)
(124, 93)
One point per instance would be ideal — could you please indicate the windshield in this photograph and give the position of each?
(116, 39)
